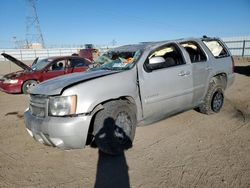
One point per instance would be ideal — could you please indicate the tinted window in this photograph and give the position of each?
(77, 63)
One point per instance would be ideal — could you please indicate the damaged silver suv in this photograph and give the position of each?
(133, 85)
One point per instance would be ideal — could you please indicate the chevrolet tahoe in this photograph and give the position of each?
(134, 85)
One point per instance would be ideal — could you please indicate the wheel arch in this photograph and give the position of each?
(99, 107)
(220, 79)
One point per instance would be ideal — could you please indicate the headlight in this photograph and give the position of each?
(62, 105)
(9, 81)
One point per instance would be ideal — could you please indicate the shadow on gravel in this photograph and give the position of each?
(112, 171)
(245, 70)
(14, 113)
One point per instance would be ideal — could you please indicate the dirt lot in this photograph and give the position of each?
(187, 150)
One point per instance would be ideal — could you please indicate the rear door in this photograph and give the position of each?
(167, 89)
(220, 56)
(77, 65)
(201, 68)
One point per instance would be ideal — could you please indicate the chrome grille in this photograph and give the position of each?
(38, 105)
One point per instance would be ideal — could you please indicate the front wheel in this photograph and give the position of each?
(28, 85)
(114, 127)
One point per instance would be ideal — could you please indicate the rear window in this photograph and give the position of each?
(217, 49)
(77, 63)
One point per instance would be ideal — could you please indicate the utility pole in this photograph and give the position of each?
(33, 29)
(113, 42)
(18, 43)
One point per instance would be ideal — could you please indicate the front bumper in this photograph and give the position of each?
(61, 132)
(10, 88)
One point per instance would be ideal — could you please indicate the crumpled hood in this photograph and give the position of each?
(56, 85)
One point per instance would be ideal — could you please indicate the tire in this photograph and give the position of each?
(114, 127)
(27, 86)
(214, 99)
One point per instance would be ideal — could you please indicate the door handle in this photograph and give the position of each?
(208, 68)
(183, 73)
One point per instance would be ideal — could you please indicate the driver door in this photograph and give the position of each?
(166, 88)
(55, 69)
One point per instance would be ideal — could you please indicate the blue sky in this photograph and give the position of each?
(125, 21)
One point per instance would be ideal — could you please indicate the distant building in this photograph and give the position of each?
(34, 46)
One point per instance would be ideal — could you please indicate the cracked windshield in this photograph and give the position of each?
(116, 60)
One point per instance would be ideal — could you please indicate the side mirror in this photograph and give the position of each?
(94, 65)
(35, 61)
(155, 63)
(91, 66)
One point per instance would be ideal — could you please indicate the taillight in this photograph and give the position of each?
(233, 64)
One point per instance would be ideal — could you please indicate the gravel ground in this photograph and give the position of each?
(186, 150)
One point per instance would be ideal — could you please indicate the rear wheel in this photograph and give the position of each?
(217, 101)
(114, 127)
(214, 99)
(28, 85)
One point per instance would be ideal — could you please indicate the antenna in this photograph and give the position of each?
(114, 42)
(33, 29)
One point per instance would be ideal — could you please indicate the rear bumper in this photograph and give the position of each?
(230, 79)
(61, 132)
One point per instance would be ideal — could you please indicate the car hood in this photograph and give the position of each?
(56, 85)
(14, 75)
(16, 61)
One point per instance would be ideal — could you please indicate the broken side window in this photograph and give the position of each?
(216, 48)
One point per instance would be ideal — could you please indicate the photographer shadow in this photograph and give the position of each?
(112, 170)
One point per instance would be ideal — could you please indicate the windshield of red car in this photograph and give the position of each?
(41, 63)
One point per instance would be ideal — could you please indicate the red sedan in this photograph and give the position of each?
(41, 69)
